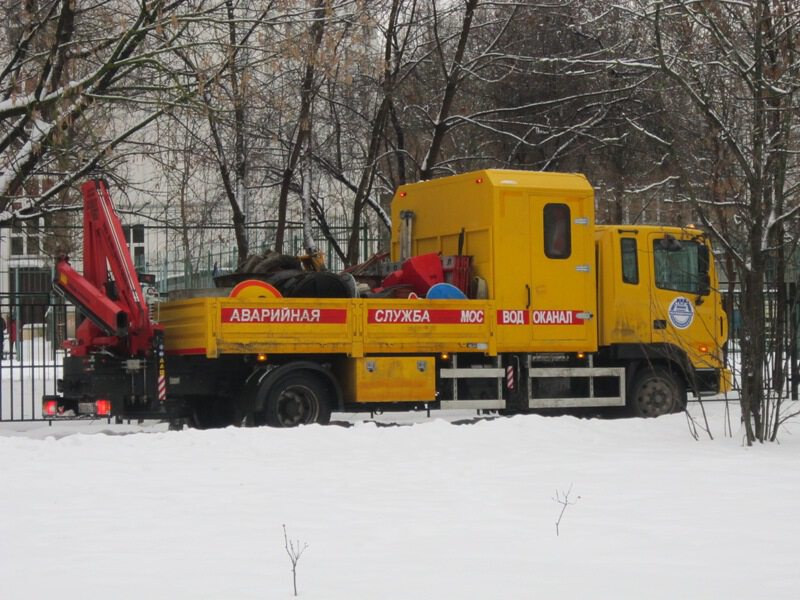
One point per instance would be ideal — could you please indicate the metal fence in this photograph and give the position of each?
(189, 259)
(179, 257)
(35, 325)
(34, 329)
(782, 339)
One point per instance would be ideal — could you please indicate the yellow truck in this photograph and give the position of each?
(561, 313)
(573, 315)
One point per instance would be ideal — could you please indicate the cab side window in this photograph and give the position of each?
(677, 265)
(557, 233)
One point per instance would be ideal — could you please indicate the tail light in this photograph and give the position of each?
(50, 408)
(102, 407)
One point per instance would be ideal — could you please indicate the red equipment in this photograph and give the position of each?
(457, 271)
(108, 292)
(419, 272)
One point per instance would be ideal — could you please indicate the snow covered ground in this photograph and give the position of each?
(431, 510)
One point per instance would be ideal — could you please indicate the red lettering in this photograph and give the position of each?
(437, 316)
(512, 317)
(556, 317)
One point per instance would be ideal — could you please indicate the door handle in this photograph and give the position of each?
(528, 293)
(660, 324)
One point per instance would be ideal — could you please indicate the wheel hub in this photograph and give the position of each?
(656, 398)
(294, 407)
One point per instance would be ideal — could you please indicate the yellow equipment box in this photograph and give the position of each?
(391, 379)
(531, 239)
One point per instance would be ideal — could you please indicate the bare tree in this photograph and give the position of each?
(308, 90)
(63, 65)
(562, 498)
(295, 551)
(225, 68)
(353, 90)
(736, 63)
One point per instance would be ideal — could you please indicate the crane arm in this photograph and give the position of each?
(108, 291)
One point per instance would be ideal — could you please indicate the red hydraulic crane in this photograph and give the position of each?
(108, 292)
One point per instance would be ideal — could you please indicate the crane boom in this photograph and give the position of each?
(108, 292)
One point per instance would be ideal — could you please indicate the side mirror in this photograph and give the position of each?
(704, 288)
(703, 262)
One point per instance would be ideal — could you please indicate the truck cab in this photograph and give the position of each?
(659, 297)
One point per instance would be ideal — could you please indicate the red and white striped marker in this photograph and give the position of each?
(510, 377)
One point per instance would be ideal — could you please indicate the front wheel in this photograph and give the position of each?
(297, 399)
(656, 391)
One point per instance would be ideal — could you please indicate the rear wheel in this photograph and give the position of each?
(656, 391)
(297, 399)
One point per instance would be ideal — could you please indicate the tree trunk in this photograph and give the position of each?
(454, 76)
(307, 93)
(752, 353)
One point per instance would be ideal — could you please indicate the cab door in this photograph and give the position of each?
(683, 307)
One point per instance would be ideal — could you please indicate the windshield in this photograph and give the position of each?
(681, 265)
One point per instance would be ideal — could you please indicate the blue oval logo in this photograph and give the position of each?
(681, 312)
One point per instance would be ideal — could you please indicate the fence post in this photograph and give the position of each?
(793, 338)
(50, 315)
(17, 315)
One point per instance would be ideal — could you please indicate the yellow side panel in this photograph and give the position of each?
(442, 209)
(605, 286)
(188, 326)
(450, 245)
(427, 246)
(397, 325)
(285, 325)
(222, 325)
(478, 245)
(391, 379)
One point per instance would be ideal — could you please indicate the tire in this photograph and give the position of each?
(297, 399)
(276, 262)
(656, 391)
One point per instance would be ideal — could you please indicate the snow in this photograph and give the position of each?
(434, 509)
